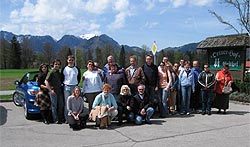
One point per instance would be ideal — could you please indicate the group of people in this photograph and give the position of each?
(133, 93)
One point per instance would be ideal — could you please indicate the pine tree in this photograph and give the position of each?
(14, 56)
(122, 57)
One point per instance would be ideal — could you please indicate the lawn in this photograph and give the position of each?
(8, 76)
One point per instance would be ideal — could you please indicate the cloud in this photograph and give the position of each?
(97, 6)
(179, 3)
(149, 4)
(150, 24)
(123, 9)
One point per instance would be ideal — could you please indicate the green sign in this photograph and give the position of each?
(218, 58)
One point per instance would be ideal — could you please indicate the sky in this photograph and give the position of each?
(170, 23)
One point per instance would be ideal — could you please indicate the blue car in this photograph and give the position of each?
(25, 94)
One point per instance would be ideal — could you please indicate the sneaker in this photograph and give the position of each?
(188, 113)
(203, 113)
(209, 113)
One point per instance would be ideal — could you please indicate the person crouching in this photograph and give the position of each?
(76, 117)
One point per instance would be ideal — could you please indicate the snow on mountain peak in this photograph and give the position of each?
(87, 36)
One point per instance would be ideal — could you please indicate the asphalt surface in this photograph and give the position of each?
(217, 130)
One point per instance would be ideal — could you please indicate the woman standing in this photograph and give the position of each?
(165, 82)
(76, 118)
(187, 86)
(223, 78)
(92, 83)
(42, 98)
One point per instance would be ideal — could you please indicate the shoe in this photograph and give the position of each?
(209, 113)
(119, 123)
(46, 122)
(148, 122)
(161, 116)
(218, 112)
(188, 113)
(203, 113)
(58, 122)
(224, 112)
(182, 113)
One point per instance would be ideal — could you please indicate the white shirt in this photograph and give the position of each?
(70, 75)
(92, 82)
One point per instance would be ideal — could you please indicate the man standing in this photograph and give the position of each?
(151, 73)
(53, 84)
(195, 101)
(142, 106)
(206, 80)
(71, 76)
(107, 66)
(134, 75)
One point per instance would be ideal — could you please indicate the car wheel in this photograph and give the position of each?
(26, 113)
(16, 99)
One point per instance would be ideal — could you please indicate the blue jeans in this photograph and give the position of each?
(206, 99)
(68, 89)
(139, 118)
(53, 99)
(123, 110)
(186, 94)
(163, 96)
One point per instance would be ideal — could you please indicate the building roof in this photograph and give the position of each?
(236, 40)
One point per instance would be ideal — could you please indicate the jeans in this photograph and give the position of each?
(186, 94)
(206, 99)
(123, 110)
(149, 113)
(164, 95)
(53, 99)
(68, 89)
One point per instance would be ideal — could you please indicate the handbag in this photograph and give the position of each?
(227, 89)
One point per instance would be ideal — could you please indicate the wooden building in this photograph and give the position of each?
(229, 49)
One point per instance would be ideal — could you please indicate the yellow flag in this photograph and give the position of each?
(154, 48)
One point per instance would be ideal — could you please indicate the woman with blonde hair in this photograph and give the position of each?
(125, 103)
(76, 118)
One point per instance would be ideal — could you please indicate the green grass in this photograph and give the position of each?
(6, 97)
(8, 76)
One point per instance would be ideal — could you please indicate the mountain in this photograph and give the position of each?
(36, 42)
(85, 42)
(184, 48)
(71, 41)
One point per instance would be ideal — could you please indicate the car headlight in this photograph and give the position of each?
(32, 92)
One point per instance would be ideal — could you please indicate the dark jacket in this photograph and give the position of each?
(125, 100)
(115, 80)
(206, 79)
(139, 103)
(151, 74)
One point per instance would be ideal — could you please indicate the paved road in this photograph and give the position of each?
(230, 130)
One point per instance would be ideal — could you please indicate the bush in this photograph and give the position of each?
(244, 94)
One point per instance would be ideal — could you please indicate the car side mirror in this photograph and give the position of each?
(17, 82)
